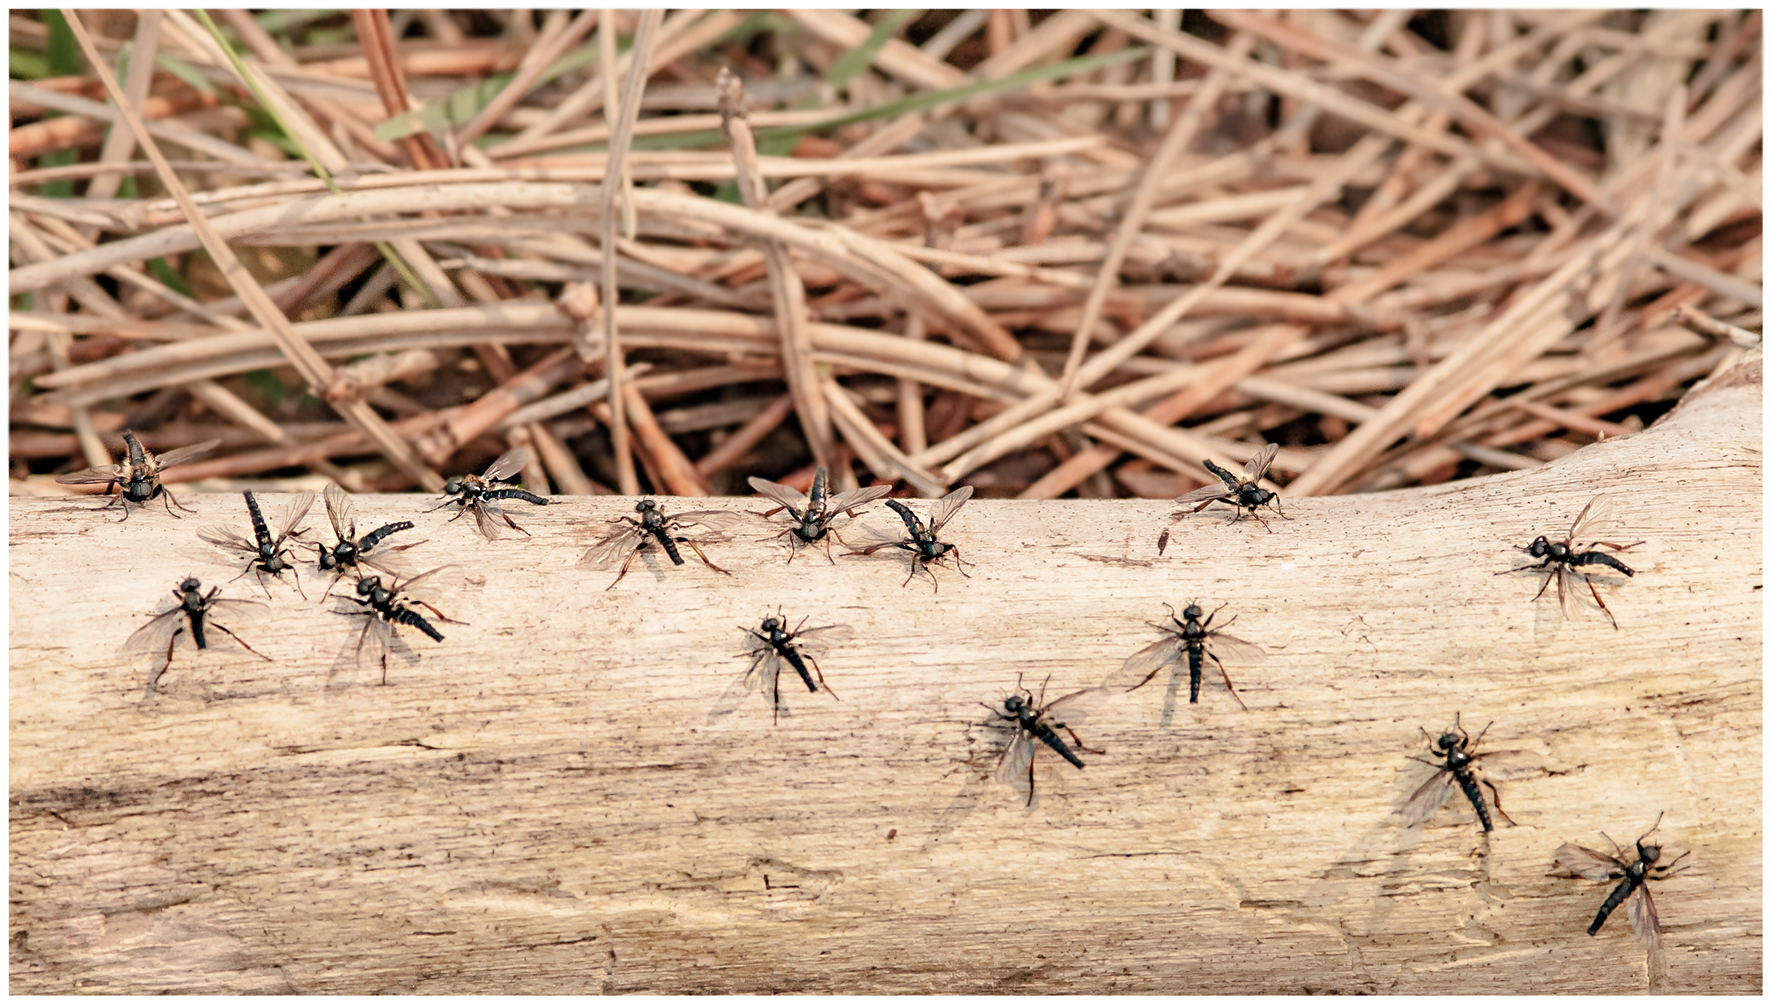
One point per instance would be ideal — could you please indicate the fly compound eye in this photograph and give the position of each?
(452, 486)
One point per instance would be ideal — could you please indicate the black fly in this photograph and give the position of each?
(1600, 867)
(634, 536)
(195, 615)
(922, 543)
(1035, 722)
(383, 607)
(1458, 752)
(353, 552)
(1244, 493)
(813, 516)
(138, 477)
(480, 494)
(268, 554)
(1199, 641)
(1560, 560)
(770, 646)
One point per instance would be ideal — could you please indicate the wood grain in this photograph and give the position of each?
(540, 803)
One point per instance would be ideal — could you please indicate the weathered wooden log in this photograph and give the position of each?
(540, 803)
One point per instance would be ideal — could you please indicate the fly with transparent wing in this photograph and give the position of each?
(814, 515)
(1634, 887)
(137, 479)
(1198, 641)
(1036, 722)
(1458, 766)
(195, 618)
(920, 541)
(771, 648)
(1563, 560)
(1243, 493)
(383, 607)
(352, 554)
(652, 529)
(481, 494)
(270, 553)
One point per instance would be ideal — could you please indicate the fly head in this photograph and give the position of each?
(453, 487)
(190, 585)
(1193, 612)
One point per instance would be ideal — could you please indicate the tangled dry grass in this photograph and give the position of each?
(1069, 251)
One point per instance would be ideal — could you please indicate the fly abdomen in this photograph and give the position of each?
(1223, 475)
(1468, 782)
(528, 497)
(799, 664)
(196, 618)
(375, 537)
(1051, 739)
(1613, 899)
(401, 615)
(911, 522)
(670, 546)
(1600, 558)
(1196, 654)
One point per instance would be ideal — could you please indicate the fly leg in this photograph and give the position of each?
(704, 558)
(624, 567)
(513, 524)
(808, 658)
(1597, 600)
(1257, 518)
(439, 614)
(959, 563)
(917, 556)
(242, 642)
(1495, 794)
(165, 664)
(1078, 740)
(171, 502)
(1227, 678)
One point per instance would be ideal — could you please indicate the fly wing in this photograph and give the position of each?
(95, 476)
(1644, 919)
(859, 497)
(947, 506)
(868, 538)
(1147, 661)
(487, 518)
(1587, 863)
(708, 524)
(1429, 797)
(373, 642)
(295, 514)
(613, 548)
(1257, 467)
(1233, 651)
(153, 636)
(1012, 767)
(236, 612)
(390, 563)
(1509, 764)
(222, 537)
(1073, 708)
(763, 674)
(341, 512)
(173, 458)
(786, 495)
(508, 464)
(818, 641)
(430, 585)
(1594, 513)
(1206, 493)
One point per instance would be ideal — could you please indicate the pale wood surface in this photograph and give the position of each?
(540, 803)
